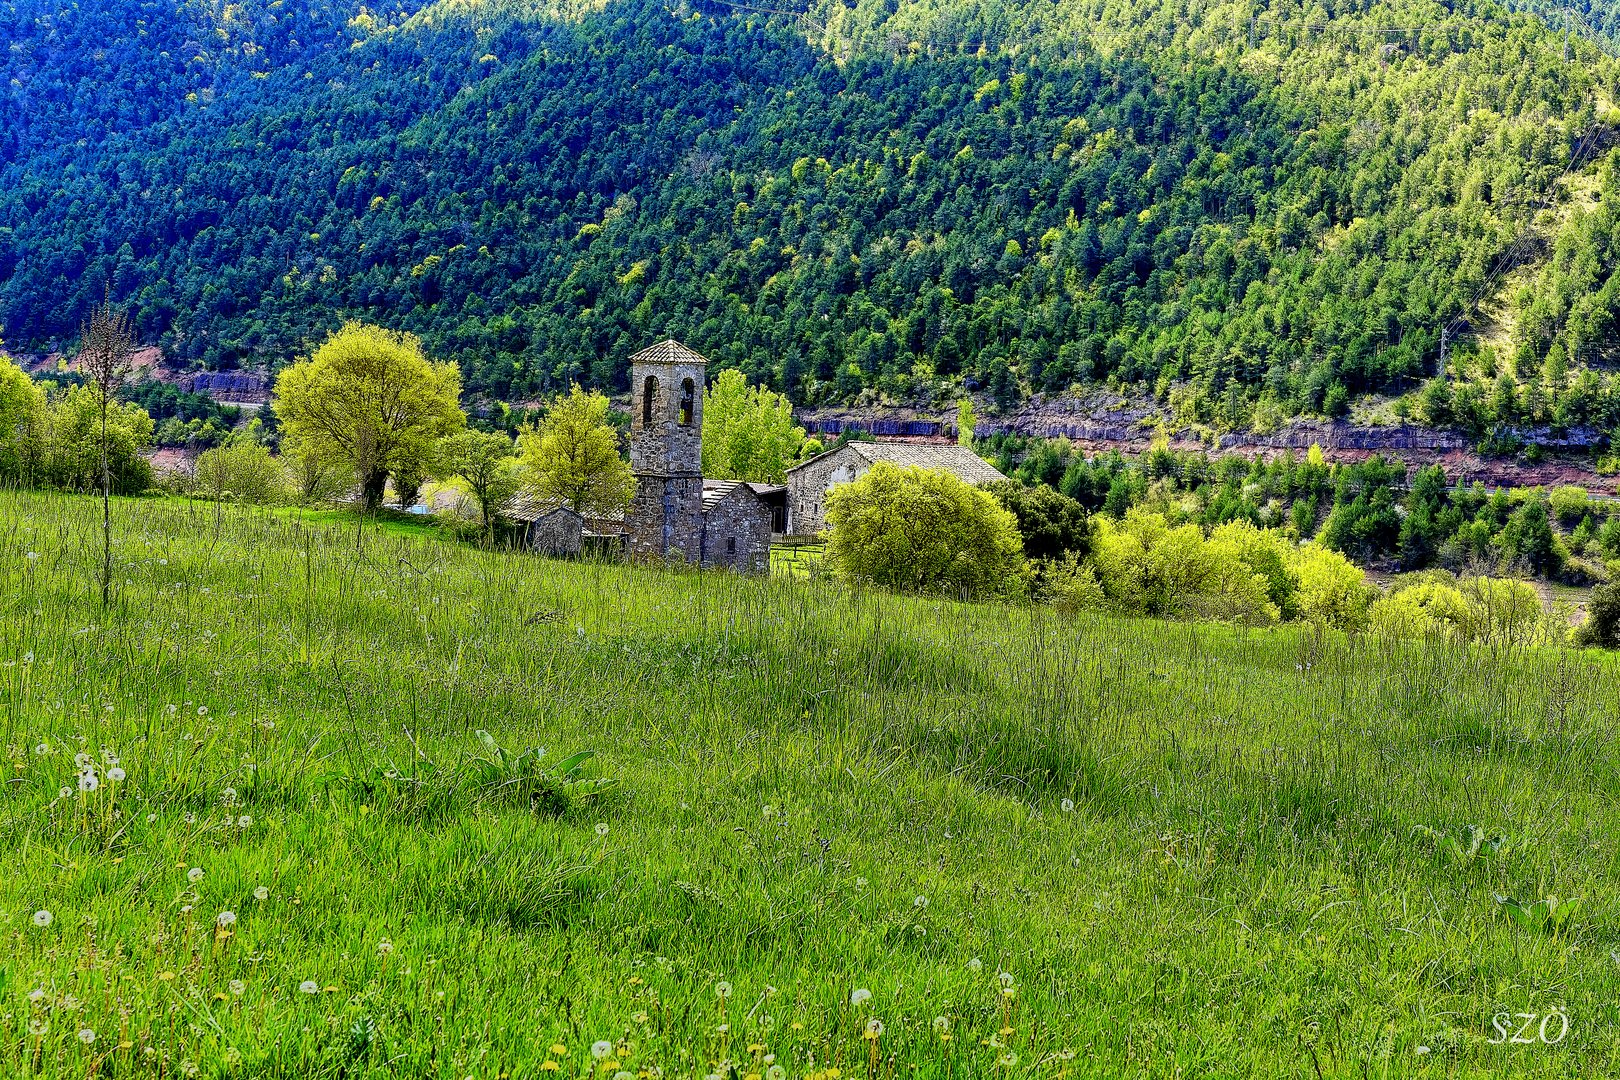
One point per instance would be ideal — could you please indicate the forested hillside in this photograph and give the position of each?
(1248, 211)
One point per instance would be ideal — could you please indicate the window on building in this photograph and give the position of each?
(731, 545)
(649, 390)
(688, 401)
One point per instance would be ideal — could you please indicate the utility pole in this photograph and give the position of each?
(1445, 348)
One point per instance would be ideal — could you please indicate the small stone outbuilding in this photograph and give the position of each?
(810, 482)
(549, 527)
(736, 527)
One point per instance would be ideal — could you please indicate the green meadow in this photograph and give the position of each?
(822, 833)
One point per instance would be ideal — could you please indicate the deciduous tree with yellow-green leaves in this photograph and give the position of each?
(748, 431)
(572, 455)
(372, 398)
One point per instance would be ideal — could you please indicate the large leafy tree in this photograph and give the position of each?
(483, 459)
(923, 530)
(748, 431)
(572, 455)
(372, 398)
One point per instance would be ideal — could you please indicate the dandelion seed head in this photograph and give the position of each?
(88, 782)
(874, 1028)
(920, 903)
(116, 774)
(1067, 805)
(87, 1036)
(601, 828)
(309, 986)
(722, 989)
(601, 1049)
(194, 875)
(859, 997)
(261, 893)
(226, 918)
(238, 987)
(975, 965)
(42, 918)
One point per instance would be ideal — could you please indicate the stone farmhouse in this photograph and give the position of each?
(810, 481)
(676, 515)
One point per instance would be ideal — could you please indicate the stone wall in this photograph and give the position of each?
(666, 518)
(737, 533)
(666, 446)
(809, 484)
(558, 533)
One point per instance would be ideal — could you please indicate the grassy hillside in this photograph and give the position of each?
(1271, 209)
(1192, 850)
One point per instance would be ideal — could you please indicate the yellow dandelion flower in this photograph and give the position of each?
(755, 1048)
(550, 1066)
(558, 1049)
(165, 976)
(1006, 1031)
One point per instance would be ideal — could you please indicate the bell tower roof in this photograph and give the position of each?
(669, 352)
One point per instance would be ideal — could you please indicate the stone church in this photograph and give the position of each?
(677, 515)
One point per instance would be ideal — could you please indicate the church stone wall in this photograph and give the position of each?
(666, 518)
(737, 533)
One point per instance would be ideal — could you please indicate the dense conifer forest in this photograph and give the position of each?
(1250, 211)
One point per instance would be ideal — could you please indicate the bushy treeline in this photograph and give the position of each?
(915, 530)
(1370, 510)
(50, 436)
(1255, 218)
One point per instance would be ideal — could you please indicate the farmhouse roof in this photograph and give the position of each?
(959, 461)
(716, 491)
(530, 508)
(668, 351)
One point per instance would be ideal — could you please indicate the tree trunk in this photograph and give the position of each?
(372, 489)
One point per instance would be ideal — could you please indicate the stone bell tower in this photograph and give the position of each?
(665, 520)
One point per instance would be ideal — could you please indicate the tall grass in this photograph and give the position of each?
(1183, 849)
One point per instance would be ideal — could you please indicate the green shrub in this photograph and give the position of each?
(1602, 626)
(920, 530)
